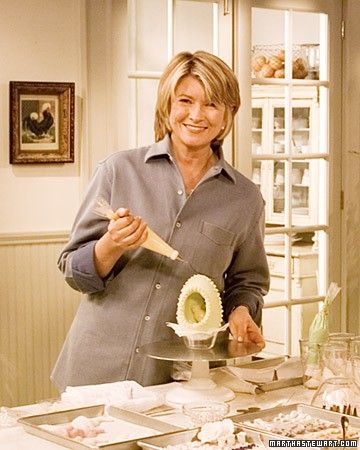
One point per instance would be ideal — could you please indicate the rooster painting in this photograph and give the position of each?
(39, 127)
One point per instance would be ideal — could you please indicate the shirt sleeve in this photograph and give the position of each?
(76, 261)
(247, 279)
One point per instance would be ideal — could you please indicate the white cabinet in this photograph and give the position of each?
(268, 138)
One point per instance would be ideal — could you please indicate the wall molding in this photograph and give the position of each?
(34, 237)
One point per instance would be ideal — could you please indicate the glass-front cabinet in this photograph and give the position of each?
(268, 138)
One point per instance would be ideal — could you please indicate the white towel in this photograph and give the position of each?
(123, 394)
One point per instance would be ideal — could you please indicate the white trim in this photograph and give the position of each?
(293, 302)
(170, 29)
(295, 229)
(294, 157)
(83, 105)
(132, 33)
(34, 237)
(216, 29)
(286, 82)
(144, 74)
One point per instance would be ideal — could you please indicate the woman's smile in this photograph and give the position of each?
(195, 128)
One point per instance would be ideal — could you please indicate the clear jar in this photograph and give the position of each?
(339, 394)
(334, 359)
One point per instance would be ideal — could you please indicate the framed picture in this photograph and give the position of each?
(41, 122)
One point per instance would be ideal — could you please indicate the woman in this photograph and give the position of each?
(184, 190)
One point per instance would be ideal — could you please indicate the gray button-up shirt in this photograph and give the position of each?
(218, 229)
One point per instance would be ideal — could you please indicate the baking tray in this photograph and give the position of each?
(269, 414)
(266, 386)
(269, 363)
(179, 437)
(31, 425)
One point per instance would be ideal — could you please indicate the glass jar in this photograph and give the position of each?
(339, 394)
(334, 359)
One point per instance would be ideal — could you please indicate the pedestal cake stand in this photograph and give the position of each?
(200, 387)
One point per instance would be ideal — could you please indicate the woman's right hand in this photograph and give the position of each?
(125, 232)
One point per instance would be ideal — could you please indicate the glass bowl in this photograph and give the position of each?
(200, 341)
(201, 413)
(338, 394)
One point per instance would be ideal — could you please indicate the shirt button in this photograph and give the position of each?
(180, 192)
(157, 286)
(137, 350)
(178, 224)
(147, 318)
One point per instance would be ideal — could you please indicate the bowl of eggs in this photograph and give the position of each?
(268, 61)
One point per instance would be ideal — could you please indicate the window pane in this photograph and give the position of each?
(306, 59)
(268, 43)
(151, 26)
(274, 320)
(189, 12)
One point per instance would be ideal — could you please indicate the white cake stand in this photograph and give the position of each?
(200, 387)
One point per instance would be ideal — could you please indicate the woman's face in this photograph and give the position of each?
(194, 120)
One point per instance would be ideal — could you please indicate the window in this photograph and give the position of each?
(158, 30)
(293, 152)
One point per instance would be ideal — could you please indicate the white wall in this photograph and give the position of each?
(62, 40)
(39, 41)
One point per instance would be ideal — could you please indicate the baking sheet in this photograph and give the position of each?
(269, 382)
(180, 437)
(269, 414)
(32, 425)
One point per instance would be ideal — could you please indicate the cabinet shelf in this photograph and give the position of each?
(268, 107)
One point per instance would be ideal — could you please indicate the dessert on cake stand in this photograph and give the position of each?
(200, 387)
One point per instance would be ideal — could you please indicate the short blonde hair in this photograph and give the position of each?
(219, 81)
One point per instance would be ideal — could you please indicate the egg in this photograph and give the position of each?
(275, 63)
(280, 73)
(266, 71)
(258, 62)
(281, 55)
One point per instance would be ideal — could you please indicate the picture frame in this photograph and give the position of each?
(41, 122)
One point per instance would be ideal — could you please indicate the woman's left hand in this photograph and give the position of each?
(243, 328)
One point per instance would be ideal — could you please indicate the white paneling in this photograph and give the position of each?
(36, 310)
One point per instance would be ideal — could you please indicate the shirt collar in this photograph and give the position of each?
(163, 148)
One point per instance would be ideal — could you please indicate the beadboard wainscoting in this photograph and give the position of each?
(36, 310)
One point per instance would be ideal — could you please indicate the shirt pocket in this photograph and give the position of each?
(213, 251)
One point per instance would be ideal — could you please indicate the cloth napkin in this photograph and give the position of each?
(122, 394)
